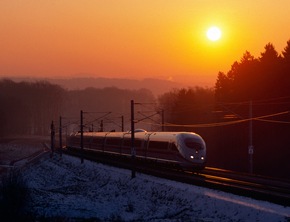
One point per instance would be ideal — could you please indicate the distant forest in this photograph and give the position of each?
(30, 107)
(253, 87)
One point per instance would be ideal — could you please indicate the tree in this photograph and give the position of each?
(187, 106)
(247, 77)
(265, 77)
(286, 52)
(286, 69)
(270, 55)
(222, 87)
(239, 82)
(270, 72)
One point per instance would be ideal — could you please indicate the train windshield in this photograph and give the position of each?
(191, 143)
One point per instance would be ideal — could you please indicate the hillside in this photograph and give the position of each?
(156, 86)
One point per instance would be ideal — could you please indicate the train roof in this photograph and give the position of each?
(138, 134)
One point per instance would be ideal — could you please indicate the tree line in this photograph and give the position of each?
(28, 108)
(267, 76)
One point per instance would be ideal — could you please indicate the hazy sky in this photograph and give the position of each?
(136, 38)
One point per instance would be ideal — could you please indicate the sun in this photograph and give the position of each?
(214, 33)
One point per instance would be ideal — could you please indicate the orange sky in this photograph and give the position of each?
(135, 38)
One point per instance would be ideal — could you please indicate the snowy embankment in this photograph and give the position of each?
(65, 188)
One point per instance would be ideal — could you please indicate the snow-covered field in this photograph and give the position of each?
(65, 188)
(18, 149)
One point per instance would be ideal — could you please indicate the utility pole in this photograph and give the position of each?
(52, 134)
(251, 147)
(60, 135)
(101, 126)
(162, 119)
(133, 140)
(82, 137)
(122, 129)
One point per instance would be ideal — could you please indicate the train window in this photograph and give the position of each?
(158, 145)
(113, 141)
(98, 140)
(127, 142)
(190, 143)
(86, 139)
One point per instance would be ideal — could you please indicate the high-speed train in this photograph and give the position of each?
(184, 149)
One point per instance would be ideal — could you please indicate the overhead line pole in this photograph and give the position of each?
(60, 135)
(133, 140)
(122, 125)
(162, 120)
(251, 147)
(82, 137)
(52, 138)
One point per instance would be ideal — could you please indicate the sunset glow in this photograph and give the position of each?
(129, 39)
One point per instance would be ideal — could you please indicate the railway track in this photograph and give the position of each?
(17, 153)
(253, 186)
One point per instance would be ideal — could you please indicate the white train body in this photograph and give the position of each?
(187, 150)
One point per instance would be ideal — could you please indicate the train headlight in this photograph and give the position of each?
(202, 158)
(191, 157)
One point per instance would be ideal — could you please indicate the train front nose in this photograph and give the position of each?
(197, 157)
(195, 149)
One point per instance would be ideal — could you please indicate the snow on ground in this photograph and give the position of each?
(18, 148)
(65, 188)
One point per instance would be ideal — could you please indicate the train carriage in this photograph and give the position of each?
(185, 149)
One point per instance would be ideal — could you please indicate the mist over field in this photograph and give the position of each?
(156, 86)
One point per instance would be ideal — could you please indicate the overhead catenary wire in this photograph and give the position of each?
(218, 124)
(273, 121)
(259, 101)
(189, 107)
(263, 102)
